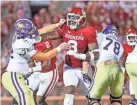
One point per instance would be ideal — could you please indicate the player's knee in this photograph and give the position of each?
(93, 101)
(115, 100)
(70, 90)
(68, 100)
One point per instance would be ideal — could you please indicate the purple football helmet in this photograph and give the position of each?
(111, 31)
(24, 28)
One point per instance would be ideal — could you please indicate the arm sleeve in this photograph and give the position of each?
(91, 35)
(60, 31)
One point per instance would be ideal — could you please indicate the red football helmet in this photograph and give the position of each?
(76, 18)
(132, 36)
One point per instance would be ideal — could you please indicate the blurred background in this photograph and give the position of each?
(122, 14)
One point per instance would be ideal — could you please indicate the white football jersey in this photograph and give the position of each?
(109, 49)
(20, 56)
(132, 57)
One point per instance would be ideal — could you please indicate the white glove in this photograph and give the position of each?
(61, 22)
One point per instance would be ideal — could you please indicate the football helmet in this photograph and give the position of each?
(111, 31)
(25, 29)
(76, 18)
(132, 36)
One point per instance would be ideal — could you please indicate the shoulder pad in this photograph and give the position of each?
(90, 30)
(20, 44)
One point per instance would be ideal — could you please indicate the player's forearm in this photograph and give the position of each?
(50, 36)
(85, 66)
(93, 53)
(51, 28)
(47, 29)
(45, 56)
(80, 56)
(85, 57)
(122, 61)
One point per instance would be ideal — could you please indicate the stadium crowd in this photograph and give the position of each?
(122, 14)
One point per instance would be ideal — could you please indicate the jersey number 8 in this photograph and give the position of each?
(74, 45)
(116, 46)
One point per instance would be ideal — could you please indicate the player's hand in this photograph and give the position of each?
(94, 55)
(64, 46)
(61, 22)
(91, 55)
(86, 78)
(37, 63)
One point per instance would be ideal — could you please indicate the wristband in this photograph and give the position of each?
(58, 49)
(57, 24)
(80, 56)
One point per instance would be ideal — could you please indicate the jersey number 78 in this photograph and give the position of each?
(116, 45)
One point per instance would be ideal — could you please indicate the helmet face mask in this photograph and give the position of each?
(132, 37)
(75, 18)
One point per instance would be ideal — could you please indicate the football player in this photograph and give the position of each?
(80, 37)
(130, 61)
(109, 72)
(24, 38)
(43, 82)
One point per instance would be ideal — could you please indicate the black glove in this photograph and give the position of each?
(86, 78)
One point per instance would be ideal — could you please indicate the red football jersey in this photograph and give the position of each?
(42, 46)
(79, 40)
(127, 49)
